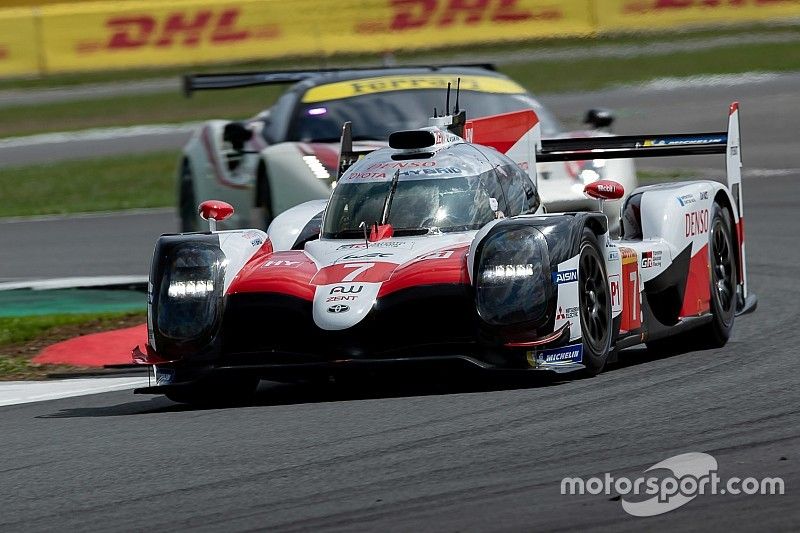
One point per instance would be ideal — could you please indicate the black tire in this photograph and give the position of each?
(595, 305)
(264, 196)
(187, 202)
(724, 280)
(216, 392)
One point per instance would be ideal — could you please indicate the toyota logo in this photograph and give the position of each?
(338, 308)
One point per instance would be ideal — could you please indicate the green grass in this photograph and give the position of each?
(22, 338)
(166, 107)
(108, 183)
(15, 330)
(543, 76)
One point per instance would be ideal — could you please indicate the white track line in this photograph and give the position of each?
(97, 214)
(70, 283)
(18, 392)
(98, 134)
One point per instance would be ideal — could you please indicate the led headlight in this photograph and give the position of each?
(514, 276)
(189, 282)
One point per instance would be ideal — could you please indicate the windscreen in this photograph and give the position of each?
(375, 115)
(417, 206)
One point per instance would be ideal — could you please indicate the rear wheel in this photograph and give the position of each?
(723, 284)
(595, 305)
(187, 202)
(724, 280)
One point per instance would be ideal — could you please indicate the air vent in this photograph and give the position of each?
(412, 139)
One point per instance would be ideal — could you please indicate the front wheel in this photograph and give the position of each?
(216, 392)
(595, 305)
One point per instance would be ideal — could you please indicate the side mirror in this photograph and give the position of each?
(604, 190)
(599, 118)
(213, 211)
(237, 134)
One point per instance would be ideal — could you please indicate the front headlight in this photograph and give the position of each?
(513, 284)
(188, 285)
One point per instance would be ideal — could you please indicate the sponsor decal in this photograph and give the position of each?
(569, 312)
(683, 141)
(254, 237)
(280, 263)
(340, 299)
(351, 289)
(382, 84)
(613, 255)
(564, 354)
(402, 165)
(404, 245)
(651, 259)
(696, 223)
(686, 199)
(366, 176)
(431, 171)
(338, 308)
(567, 276)
(164, 376)
(616, 292)
(186, 28)
(371, 255)
(415, 15)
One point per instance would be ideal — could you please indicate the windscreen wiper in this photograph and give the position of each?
(387, 204)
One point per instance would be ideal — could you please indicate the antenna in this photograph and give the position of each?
(435, 115)
(458, 90)
(447, 101)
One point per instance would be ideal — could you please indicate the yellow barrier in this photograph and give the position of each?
(149, 33)
(647, 14)
(18, 46)
(100, 35)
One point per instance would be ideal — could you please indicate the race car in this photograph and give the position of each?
(288, 154)
(436, 252)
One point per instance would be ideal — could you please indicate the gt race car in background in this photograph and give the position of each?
(288, 154)
(435, 252)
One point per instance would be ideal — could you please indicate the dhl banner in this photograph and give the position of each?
(616, 15)
(18, 43)
(127, 34)
(100, 35)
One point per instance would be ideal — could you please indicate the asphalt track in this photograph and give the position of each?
(435, 457)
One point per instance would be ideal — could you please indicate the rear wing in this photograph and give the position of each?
(662, 145)
(238, 80)
(638, 146)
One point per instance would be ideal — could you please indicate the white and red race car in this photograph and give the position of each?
(435, 251)
(287, 154)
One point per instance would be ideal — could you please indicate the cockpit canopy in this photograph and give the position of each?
(458, 188)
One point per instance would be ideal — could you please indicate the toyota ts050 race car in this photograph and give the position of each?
(436, 251)
(288, 154)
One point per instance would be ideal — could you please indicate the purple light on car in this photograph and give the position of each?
(314, 111)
